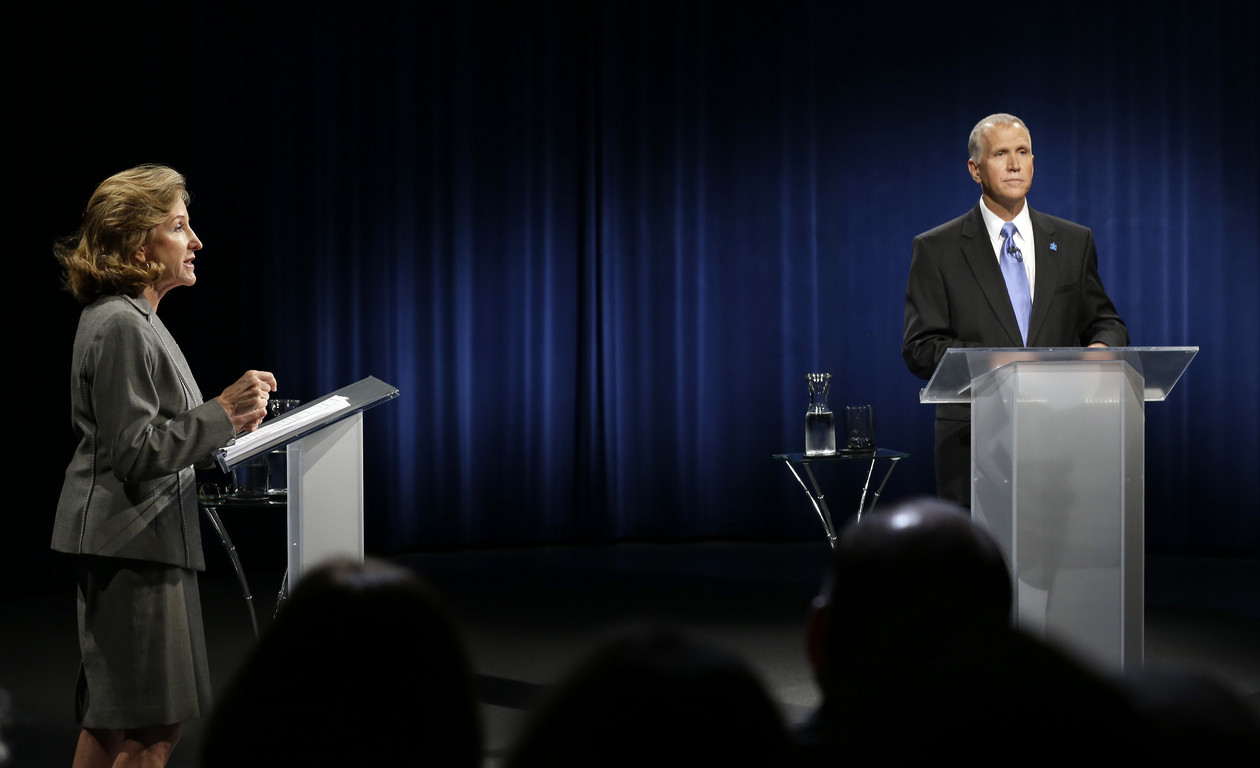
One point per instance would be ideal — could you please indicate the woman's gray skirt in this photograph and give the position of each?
(143, 645)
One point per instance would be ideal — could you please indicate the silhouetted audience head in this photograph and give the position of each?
(654, 697)
(1190, 717)
(362, 666)
(917, 659)
(922, 569)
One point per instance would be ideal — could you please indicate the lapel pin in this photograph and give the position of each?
(1054, 246)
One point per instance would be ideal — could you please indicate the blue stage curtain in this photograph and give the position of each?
(598, 246)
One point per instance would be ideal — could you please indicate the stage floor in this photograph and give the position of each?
(528, 614)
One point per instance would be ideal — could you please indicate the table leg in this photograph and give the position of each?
(862, 501)
(817, 499)
(213, 515)
(875, 496)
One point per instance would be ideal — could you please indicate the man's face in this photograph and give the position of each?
(1005, 168)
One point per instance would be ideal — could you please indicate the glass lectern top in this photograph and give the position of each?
(295, 424)
(1160, 367)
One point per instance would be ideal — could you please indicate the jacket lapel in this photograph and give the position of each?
(1047, 273)
(982, 259)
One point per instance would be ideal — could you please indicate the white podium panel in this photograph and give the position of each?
(1057, 462)
(325, 496)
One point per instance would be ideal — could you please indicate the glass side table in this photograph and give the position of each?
(799, 461)
(211, 498)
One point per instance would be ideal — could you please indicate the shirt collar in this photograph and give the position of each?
(139, 302)
(993, 223)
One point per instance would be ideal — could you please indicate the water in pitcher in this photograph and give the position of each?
(820, 434)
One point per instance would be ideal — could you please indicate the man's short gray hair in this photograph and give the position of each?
(1001, 118)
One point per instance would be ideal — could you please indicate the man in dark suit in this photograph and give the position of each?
(1002, 275)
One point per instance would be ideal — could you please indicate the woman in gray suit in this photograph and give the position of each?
(128, 507)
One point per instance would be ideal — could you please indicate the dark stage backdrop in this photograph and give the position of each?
(598, 245)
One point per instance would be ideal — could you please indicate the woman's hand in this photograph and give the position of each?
(246, 400)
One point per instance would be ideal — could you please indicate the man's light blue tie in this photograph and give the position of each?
(1016, 279)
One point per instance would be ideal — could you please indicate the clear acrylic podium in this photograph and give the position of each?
(1058, 469)
(324, 444)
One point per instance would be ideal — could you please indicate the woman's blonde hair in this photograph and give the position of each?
(101, 258)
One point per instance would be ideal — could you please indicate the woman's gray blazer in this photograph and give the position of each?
(130, 490)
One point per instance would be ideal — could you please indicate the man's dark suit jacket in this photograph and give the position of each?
(956, 297)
